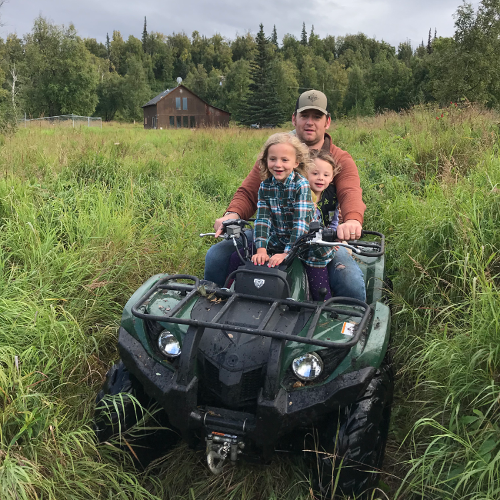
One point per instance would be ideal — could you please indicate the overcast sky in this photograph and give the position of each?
(391, 20)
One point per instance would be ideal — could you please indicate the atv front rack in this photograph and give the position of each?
(139, 310)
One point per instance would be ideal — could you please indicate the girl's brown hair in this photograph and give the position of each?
(301, 153)
(325, 156)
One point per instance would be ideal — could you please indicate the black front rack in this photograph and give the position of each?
(232, 297)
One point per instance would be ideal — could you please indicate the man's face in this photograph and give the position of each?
(311, 126)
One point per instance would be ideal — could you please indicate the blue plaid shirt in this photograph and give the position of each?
(284, 211)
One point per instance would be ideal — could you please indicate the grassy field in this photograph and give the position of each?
(87, 215)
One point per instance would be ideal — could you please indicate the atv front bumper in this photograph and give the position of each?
(274, 417)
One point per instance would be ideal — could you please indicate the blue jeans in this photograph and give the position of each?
(217, 259)
(346, 278)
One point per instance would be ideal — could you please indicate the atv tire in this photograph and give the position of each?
(356, 451)
(121, 405)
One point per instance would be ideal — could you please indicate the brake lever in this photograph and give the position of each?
(334, 244)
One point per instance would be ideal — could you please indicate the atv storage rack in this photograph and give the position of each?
(233, 297)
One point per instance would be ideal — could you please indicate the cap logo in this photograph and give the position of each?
(313, 97)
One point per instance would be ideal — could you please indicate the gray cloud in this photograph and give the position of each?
(391, 20)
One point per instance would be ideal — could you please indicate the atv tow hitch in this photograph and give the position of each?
(219, 446)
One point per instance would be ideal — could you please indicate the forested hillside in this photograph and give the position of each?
(52, 70)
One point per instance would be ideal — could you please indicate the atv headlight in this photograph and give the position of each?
(168, 344)
(308, 366)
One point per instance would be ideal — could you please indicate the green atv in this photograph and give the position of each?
(258, 367)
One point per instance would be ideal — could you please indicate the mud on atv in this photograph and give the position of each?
(258, 367)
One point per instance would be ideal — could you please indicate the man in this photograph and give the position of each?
(311, 121)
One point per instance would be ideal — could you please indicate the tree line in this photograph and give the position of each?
(52, 71)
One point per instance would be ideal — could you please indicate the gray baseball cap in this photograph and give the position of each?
(312, 99)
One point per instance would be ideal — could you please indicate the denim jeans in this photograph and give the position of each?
(346, 278)
(217, 259)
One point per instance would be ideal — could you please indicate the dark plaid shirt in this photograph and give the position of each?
(284, 211)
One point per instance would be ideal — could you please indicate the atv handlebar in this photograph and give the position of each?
(234, 228)
(229, 231)
(328, 237)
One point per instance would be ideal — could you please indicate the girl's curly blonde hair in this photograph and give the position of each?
(301, 154)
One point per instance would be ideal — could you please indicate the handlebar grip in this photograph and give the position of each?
(228, 222)
(238, 222)
(329, 235)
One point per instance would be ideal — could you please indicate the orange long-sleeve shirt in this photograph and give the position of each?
(347, 184)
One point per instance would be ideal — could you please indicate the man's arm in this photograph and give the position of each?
(349, 195)
(349, 192)
(244, 202)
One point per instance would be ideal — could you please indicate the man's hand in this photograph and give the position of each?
(261, 257)
(218, 223)
(349, 230)
(277, 259)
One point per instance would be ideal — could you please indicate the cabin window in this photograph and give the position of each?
(145, 120)
(192, 122)
(179, 122)
(172, 121)
(185, 123)
(185, 103)
(177, 103)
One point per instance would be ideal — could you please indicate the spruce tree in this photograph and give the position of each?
(315, 43)
(274, 37)
(262, 105)
(108, 44)
(303, 39)
(429, 42)
(145, 36)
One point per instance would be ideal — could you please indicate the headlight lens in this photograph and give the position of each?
(168, 344)
(308, 366)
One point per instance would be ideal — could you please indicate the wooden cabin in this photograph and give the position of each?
(181, 108)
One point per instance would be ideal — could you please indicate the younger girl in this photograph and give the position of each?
(285, 209)
(324, 194)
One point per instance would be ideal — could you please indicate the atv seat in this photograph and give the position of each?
(261, 281)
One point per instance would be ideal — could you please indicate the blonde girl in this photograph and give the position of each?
(285, 209)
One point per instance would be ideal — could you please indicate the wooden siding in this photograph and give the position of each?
(197, 114)
(149, 115)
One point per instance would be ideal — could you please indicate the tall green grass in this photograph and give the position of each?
(441, 214)
(87, 215)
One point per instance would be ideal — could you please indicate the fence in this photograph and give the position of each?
(62, 120)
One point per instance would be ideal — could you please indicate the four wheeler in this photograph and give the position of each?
(258, 367)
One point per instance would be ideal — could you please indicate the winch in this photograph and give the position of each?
(219, 446)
